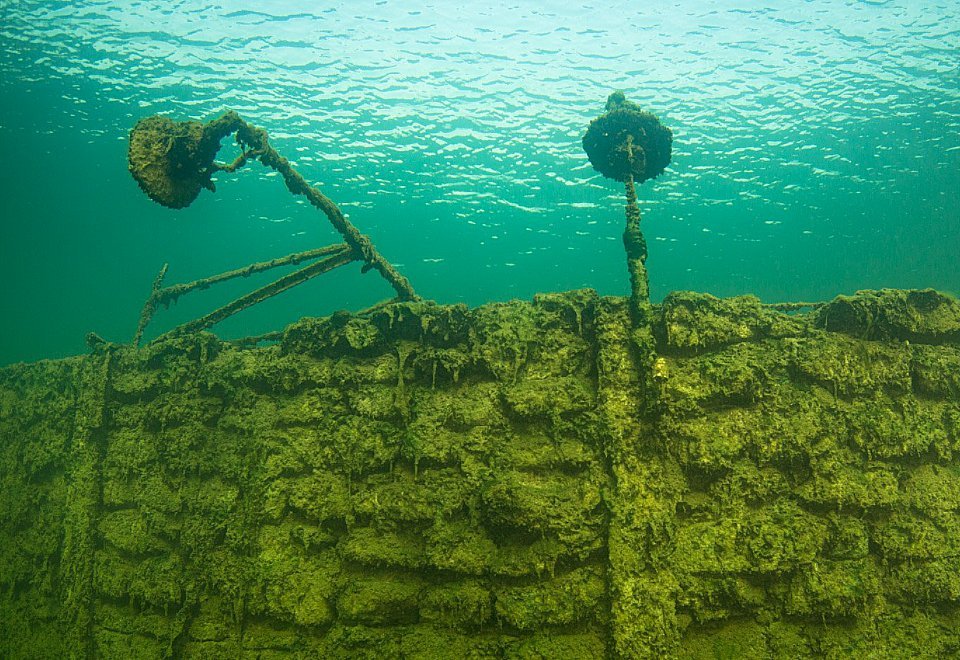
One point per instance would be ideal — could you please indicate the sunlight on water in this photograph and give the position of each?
(816, 147)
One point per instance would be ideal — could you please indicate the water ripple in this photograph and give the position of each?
(786, 119)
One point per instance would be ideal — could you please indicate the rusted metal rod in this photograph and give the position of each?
(636, 248)
(793, 306)
(170, 294)
(160, 295)
(341, 258)
(255, 143)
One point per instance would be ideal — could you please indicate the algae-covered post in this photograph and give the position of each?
(630, 145)
(173, 161)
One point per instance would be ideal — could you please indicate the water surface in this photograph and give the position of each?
(816, 151)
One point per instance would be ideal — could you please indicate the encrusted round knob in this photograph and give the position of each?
(645, 155)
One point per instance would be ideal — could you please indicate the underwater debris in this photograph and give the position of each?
(439, 481)
(606, 142)
(172, 161)
(628, 144)
(335, 256)
(920, 316)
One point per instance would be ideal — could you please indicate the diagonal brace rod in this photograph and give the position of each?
(160, 295)
(345, 256)
(256, 144)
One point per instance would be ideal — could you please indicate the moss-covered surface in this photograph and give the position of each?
(172, 161)
(521, 480)
(800, 529)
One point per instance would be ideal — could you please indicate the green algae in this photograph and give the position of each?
(921, 316)
(831, 430)
(691, 322)
(523, 480)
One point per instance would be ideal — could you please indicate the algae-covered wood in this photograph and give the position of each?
(517, 480)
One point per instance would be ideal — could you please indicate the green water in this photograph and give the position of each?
(816, 151)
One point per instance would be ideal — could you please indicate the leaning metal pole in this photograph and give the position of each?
(256, 144)
(173, 161)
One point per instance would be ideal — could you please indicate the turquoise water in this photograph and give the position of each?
(816, 151)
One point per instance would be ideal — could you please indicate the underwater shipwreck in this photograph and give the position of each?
(574, 476)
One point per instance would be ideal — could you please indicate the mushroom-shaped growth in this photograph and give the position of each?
(172, 161)
(626, 140)
(628, 144)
